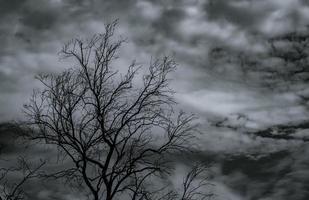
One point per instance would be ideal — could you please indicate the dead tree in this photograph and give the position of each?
(117, 131)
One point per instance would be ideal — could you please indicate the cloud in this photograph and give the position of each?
(186, 29)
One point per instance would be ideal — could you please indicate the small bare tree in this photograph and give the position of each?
(193, 185)
(16, 171)
(117, 132)
(13, 188)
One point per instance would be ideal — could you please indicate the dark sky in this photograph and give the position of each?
(33, 31)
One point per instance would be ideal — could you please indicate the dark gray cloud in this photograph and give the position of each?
(245, 14)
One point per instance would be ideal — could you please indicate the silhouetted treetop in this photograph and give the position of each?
(118, 132)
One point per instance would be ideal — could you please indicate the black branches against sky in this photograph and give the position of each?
(117, 131)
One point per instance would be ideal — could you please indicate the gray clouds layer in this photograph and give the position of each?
(32, 32)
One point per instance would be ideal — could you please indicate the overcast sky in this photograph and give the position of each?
(33, 31)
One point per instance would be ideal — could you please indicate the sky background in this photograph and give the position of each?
(204, 36)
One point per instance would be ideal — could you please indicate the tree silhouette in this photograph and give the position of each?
(118, 132)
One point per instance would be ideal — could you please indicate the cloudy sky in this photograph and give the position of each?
(222, 48)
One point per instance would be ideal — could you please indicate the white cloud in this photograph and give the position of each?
(148, 10)
(218, 102)
(224, 193)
